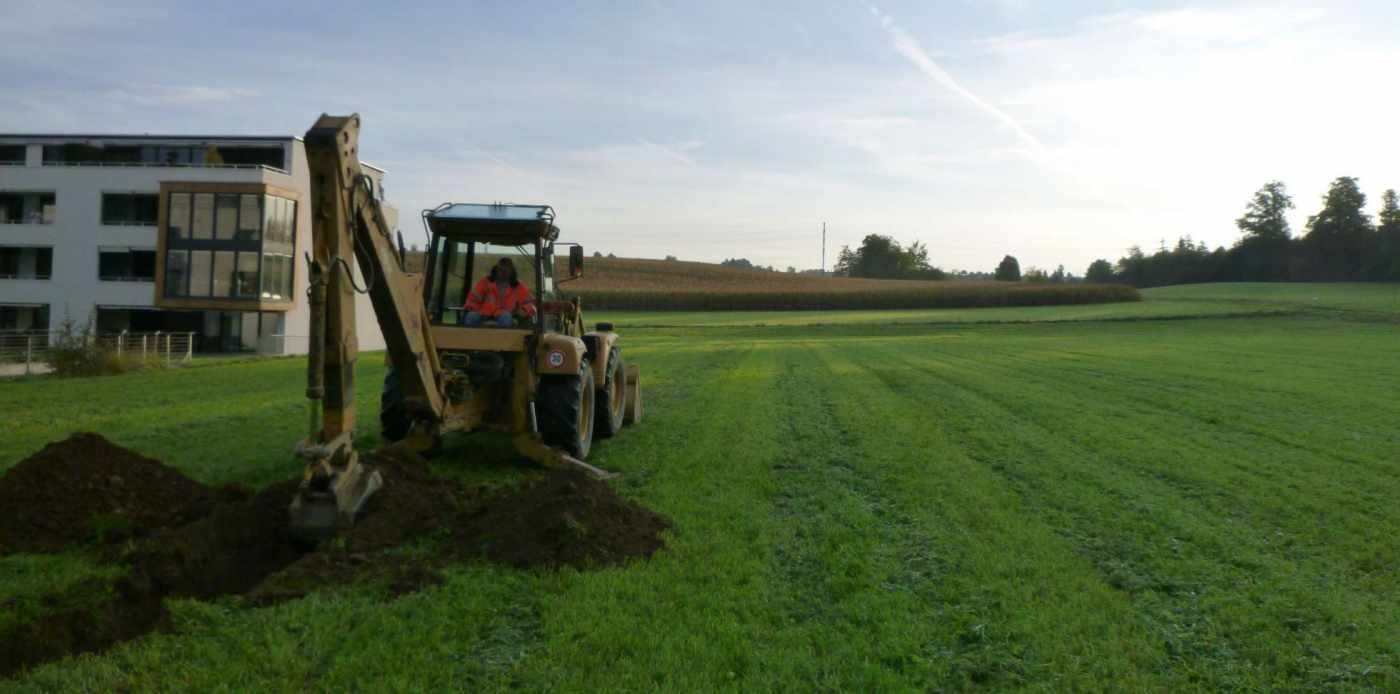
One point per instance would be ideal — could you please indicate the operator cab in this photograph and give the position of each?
(467, 240)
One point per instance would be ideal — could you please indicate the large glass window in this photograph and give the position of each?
(79, 154)
(26, 263)
(129, 209)
(28, 208)
(230, 245)
(12, 154)
(126, 265)
(24, 317)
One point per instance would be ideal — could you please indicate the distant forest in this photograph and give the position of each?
(1339, 243)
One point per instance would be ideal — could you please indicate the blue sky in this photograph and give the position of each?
(1056, 131)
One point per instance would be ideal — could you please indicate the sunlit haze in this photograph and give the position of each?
(1057, 132)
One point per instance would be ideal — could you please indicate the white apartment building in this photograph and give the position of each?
(205, 234)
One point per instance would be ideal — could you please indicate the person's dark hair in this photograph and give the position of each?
(506, 262)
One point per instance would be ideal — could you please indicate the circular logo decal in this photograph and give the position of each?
(556, 359)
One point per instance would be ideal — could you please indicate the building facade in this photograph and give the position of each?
(149, 233)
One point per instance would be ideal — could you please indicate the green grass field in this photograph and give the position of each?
(1059, 503)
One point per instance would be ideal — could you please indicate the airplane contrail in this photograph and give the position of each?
(907, 46)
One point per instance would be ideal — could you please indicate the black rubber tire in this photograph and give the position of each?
(612, 398)
(393, 418)
(561, 404)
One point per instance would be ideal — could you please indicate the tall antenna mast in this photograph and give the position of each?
(823, 248)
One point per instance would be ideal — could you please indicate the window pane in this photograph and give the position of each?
(116, 209)
(144, 207)
(43, 263)
(246, 281)
(289, 231)
(179, 223)
(249, 218)
(226, 216)
(269, 268)
(201, 266)
(269, 220)
(177, 273)
(143, 265)
(113, 265)
(288, 271)
(203, 224)
(271, 324)
(248, 332)
(223, 273)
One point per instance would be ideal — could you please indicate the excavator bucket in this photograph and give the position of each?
(333, 490)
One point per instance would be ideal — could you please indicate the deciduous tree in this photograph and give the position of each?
(1009, 270)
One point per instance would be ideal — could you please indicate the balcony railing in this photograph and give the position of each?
(32, 276)
(124, 278)
(151, 165)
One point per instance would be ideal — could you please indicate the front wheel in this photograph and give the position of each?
(565, 408)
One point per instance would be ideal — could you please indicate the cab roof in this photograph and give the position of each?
(495, 222)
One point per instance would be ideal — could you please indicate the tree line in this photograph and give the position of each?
(1339, 243)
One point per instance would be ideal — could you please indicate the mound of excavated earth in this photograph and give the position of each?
(85, 486)
(188, 540)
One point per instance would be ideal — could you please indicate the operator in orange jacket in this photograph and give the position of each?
(499, 298)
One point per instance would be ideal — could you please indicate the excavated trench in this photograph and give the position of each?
(179, 538)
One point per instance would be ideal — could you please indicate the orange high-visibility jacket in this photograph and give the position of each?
(486, 300)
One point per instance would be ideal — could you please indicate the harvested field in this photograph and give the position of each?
(666, 285)
(237, 542)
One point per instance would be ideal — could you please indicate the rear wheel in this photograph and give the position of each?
(394, 422)
(565, 408)
(612, 397)
(393, 418)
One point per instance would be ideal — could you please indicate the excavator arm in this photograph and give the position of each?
(348, 229)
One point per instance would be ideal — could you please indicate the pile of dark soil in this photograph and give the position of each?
(85, 486)
(562, 519)
(182, 539)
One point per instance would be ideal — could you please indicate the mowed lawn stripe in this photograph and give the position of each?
(1013, 605)
(1093, 472)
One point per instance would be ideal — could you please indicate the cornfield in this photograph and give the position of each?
(666, 285)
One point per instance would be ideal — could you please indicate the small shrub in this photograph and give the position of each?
(75, 351)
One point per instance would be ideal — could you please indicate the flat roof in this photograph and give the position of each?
(146, 136)
(504, 221)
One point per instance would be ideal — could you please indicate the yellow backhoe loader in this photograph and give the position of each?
(543, 378)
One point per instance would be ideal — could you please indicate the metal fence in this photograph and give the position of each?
(24, 353)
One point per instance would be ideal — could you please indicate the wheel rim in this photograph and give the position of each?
(619, 394)
(585, 412)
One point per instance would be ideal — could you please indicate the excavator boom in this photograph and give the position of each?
(348, 229)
